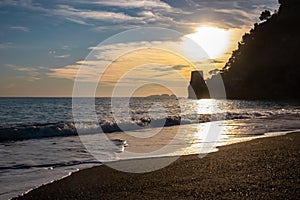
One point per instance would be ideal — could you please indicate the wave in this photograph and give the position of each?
(50, 165)
(23, 132)
(36, 131)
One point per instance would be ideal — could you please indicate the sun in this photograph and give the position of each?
(214, 41)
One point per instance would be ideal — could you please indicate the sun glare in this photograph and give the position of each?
(214, 41)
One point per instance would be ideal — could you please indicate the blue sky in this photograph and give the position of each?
(39, 36)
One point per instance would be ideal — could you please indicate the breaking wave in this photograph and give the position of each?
(36, 131)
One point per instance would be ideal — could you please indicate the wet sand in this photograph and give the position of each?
(267, 168)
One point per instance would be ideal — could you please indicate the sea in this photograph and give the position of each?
(41, 141)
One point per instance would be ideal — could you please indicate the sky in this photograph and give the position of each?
(44, 44)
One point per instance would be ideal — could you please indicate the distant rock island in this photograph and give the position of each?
(266, 63)
(162, 96)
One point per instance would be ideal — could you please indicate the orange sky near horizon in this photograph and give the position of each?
(136, 58)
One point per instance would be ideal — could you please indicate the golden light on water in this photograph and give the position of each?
(206, 106)
(214, 41)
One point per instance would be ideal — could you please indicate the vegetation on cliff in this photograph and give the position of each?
(266, 63)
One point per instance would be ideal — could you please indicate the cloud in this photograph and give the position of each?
(216, 61)
(20, 28)
(78, 15)
(16, 2)
(66, 47)
(6, 45)
(27, 4)
(62, 56)
(32, 73)
(89, 71)
(230, 14)
(105, 15)
(148, 12)
(145, 4)
(52, 52)
(153, 5)
(116, 60)
(179, 67)
(78, 21)
(68, 72)
(116, 18)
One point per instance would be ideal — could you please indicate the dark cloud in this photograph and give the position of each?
(217, 61)
(179, 67)
(164, 68)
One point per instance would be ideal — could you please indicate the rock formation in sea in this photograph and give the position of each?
(197, 88)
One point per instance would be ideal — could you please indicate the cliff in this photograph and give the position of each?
(266, 65)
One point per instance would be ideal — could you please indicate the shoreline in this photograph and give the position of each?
(265, 135)
(79, 178)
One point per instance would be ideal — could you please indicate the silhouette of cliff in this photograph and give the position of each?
(197, 88)
(266, 65)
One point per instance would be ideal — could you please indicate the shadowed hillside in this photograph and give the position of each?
(266, 63)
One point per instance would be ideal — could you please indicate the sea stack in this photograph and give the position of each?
(197, 88)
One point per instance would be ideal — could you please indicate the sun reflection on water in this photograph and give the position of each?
(207, 106)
